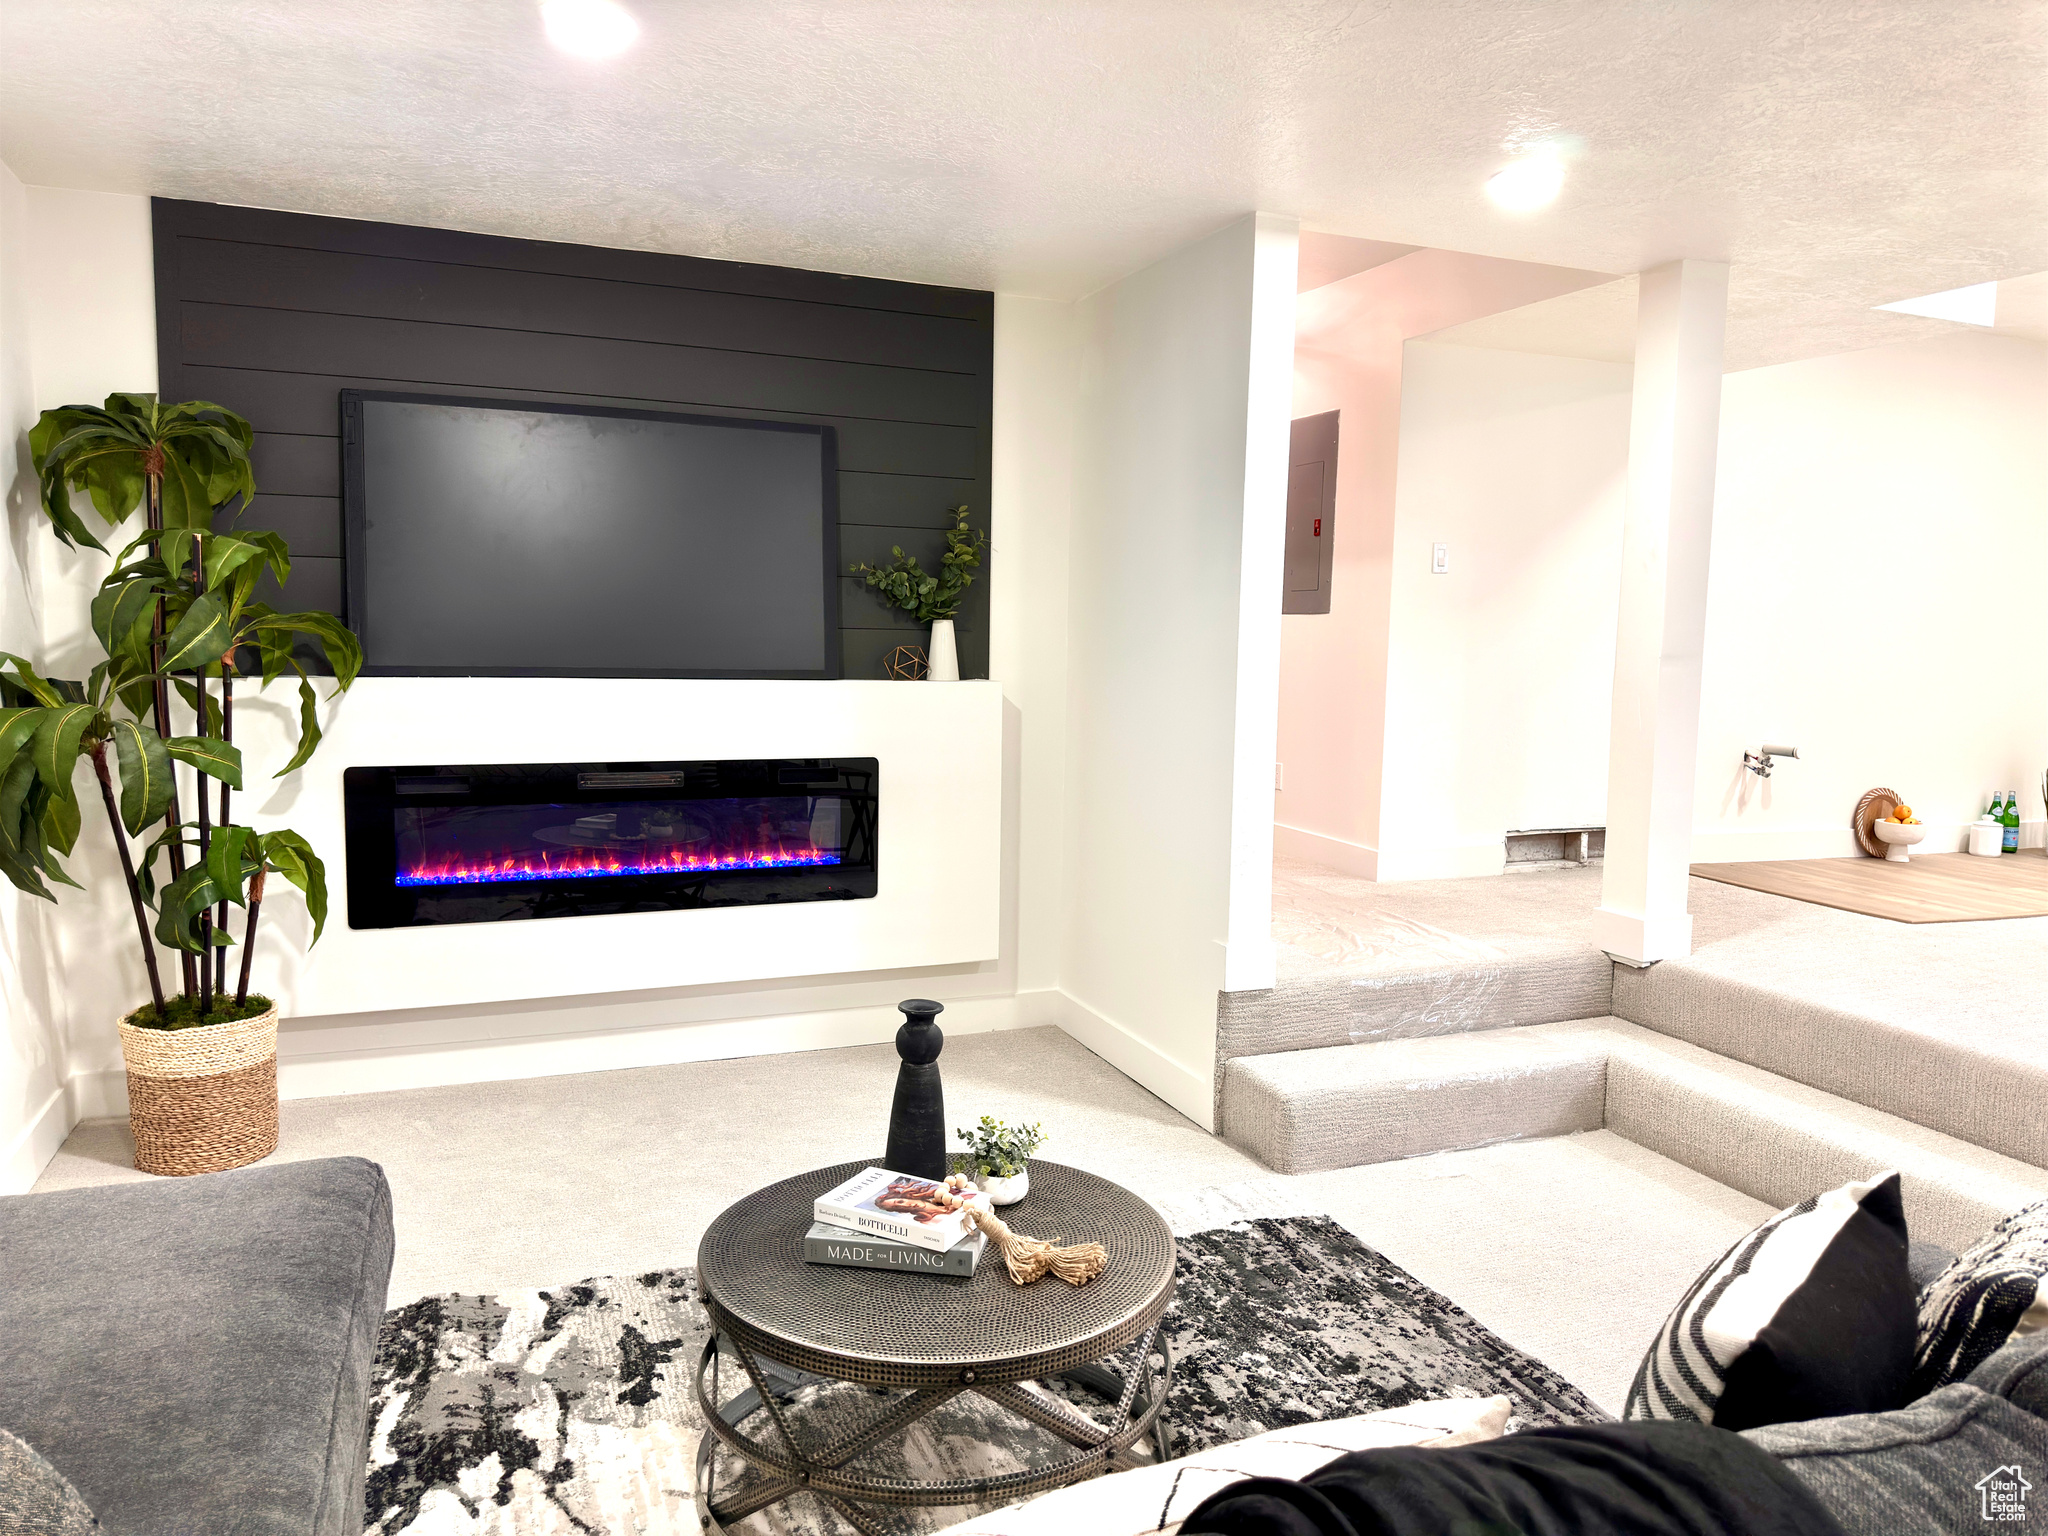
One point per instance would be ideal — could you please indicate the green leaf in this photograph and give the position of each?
(55, 751)
(186, 503)
(182, 901)
(276, 552)
(185, 835)
(224, 861)
(138, 698)
(116, 483)
(343, 652)
(16, 783)
(60, 822)
(22, 875)
(309, 728)
(121, 615)
(210, 755)
(145, 775)
(71, 529)
(228, 552)
(25, 676)
(142, 409)
(293, 857)
(16, 727)
(200, 637)
(35, 847)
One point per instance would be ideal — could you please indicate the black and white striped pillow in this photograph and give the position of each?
(1992, 1293)
(1809, 1316)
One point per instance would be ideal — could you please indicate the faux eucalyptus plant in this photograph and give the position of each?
(999, 1151)
(904, 583)
(176, 618)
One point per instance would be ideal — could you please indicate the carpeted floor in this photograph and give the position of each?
(1573, 1249)
(1329, 924)
(571, 1409)
(1944, 1024)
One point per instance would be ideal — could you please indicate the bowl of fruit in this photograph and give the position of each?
(1898, 832)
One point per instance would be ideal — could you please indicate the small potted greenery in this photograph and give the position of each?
(932, 598)
(999, 1156)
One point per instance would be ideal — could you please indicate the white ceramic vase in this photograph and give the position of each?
(1004, 1191)
(942, 660)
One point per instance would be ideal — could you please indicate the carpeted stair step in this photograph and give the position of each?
(1309, 1014)
(1780, 1141)
(1303, 1111)
(1761, 1134)
(1893, 1042)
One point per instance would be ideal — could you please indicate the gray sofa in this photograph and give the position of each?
(1917, 1469)
(194, 1354)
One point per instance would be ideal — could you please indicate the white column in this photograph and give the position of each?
(1674, 430)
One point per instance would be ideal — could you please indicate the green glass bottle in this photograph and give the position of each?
(2011, 819)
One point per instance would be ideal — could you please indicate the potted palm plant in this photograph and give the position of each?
(932, 597)
(177, 619)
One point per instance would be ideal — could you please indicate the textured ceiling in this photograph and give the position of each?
(1840, 152)
(1601, 323)
(1326, 259)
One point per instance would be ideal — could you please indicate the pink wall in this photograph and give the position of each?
(1333, 667)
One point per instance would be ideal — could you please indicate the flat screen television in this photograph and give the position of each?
(520, 538)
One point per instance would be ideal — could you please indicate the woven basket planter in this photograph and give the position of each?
(202, 1099)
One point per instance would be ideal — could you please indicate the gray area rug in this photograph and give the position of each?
(572, 1410)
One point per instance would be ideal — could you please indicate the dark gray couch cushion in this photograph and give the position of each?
(1925, 1260)
(1915, 1469)
(2018, 1373)
(194, 1354)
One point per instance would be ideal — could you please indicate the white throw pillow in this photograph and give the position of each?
(1149, 1500)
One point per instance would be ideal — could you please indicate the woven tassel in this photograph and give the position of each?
(1031, 1258)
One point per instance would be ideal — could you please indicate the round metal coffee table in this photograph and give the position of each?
(790, 1325)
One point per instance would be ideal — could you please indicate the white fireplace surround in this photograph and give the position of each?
(939, 747)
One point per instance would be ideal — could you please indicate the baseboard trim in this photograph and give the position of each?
(36, 1143)
(304, 1072)
(1754, 844)
(1177, 1084)
(1454, 862)
(1331, 852)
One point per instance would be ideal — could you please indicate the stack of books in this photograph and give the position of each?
(883, 1220)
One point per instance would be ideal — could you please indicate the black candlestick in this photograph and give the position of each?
(917, 1120)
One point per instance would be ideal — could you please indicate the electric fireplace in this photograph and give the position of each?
(499, 842)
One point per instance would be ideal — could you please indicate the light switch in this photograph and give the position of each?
(1440, 559)
(1279, 775)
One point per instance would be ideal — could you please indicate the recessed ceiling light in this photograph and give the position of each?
(1974, 305)
(1527, 183)
(589, 29)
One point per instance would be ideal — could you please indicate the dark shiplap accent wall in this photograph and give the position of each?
(273, 314)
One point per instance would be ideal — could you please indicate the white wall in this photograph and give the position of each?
(1038, 372)
(33, 1112)
(1182, 409)
(1334, 666)
(88, 302)
(1499, 674)
(1878, 594)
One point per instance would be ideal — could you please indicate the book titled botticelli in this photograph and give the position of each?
(896, 1206)
(825, 1244)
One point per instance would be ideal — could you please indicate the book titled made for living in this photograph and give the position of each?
(827, 1244)
(897, 1206)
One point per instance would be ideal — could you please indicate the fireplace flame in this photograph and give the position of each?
(592, 864)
